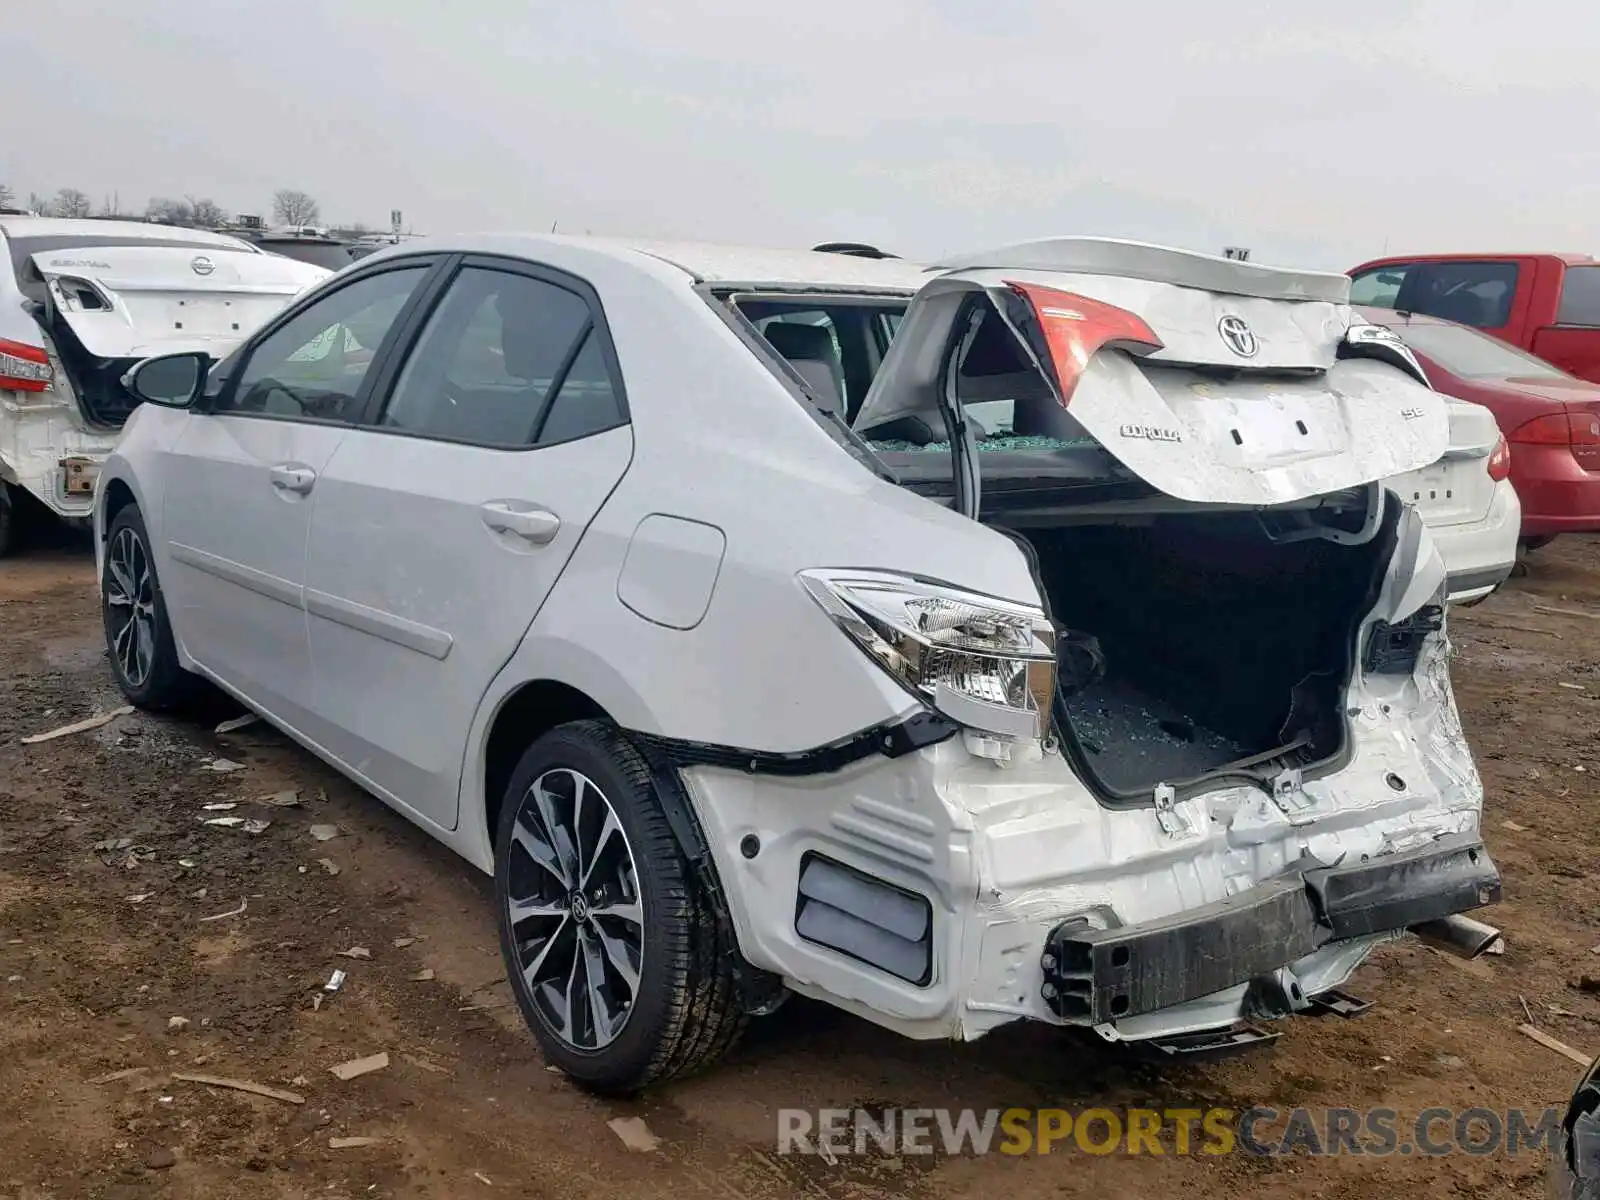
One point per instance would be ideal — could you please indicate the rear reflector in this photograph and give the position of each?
(1074, 329)
(1500, 461)
(1559, 429)
(24, 368)
(865, 918)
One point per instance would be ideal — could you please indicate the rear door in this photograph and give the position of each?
(442, 522)
(133, 302)
(1212, 383)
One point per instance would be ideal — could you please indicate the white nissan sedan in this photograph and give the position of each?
(1029, 638)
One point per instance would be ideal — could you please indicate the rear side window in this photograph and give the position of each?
(506, 360)
(1580, 297)
(1472, 293)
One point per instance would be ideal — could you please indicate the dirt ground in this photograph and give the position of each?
(118, 967)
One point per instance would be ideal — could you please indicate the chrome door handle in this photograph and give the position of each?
(532, 524)
(287, 477)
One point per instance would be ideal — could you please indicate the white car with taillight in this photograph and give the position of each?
(82, 301)
(698, 595)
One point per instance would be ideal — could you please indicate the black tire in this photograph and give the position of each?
(1530, 544)
(164, 685)
(8, 520)
(685, 1013)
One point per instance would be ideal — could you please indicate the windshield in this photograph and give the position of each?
(1473, 355)
(331, 255)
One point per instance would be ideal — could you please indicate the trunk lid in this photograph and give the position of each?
(1214, 381)
(1457, 489)
(131, 302)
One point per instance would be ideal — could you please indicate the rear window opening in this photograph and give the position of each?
(1227, 640)
(835, 344)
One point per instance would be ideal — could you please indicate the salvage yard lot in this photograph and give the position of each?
(111, 978)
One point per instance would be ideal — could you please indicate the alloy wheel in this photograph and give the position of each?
(131, 606)
(576, 917)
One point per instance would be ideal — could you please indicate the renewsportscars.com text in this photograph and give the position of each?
(1373, 1132)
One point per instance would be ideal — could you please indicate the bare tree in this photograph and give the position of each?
(7, 196)
(206, 212)
(70, 202)
(38, 204)
(165, 211)
(290, 207)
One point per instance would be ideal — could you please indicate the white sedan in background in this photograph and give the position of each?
(82, 301)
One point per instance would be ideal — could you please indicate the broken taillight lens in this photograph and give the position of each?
(1500, 461)
(24, 368)
(1075, 328)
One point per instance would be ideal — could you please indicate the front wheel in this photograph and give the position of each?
(609, 941)
(139, 641)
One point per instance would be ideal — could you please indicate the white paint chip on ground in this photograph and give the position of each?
(235, 723)
(324, 833)
(358, 1067)
(635, 1134)
(222, 766)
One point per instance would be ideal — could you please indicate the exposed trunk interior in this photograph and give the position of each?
(1223, 647)
(96, 381)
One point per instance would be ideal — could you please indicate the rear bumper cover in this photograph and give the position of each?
(1100, 975)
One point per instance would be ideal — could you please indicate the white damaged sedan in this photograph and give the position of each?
(685, 589)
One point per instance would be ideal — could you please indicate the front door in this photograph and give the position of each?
(242, 478)
(442, 523)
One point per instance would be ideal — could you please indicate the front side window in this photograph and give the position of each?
(506, 360)
(314, 365)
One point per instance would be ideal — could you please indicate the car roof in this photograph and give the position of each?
(134, 231)
(1569, 258)
(715, 264)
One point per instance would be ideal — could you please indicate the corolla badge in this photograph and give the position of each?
(201, 265)
(1240, 337)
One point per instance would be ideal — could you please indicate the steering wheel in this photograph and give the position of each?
(265, 387)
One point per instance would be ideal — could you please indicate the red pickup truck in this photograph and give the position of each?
(1548, 304)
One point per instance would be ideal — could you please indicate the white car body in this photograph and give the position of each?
(121, 291)
(414, 609)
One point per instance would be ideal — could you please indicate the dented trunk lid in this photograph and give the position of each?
(132, 302)
(1214, 381)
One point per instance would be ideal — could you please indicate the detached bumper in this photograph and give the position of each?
(1099, 975)
(1575, 1158)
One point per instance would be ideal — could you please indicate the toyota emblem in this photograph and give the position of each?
(1240, 337)
(201, 265)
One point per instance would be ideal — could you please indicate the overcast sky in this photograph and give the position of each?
(1315, 134)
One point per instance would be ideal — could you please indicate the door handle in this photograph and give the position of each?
(287, 477)
(532, 524)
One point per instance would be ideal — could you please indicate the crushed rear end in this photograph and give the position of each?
(1241, 767)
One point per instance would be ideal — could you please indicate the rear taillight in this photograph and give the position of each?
(1559, 429)
(1075, 328)
(1500, 461)
(24, 368)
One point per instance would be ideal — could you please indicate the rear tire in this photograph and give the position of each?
(622, 981)
(1529, 545)
(139, 643)
(8, 520)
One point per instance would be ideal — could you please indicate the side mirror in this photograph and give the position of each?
(171, 380)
